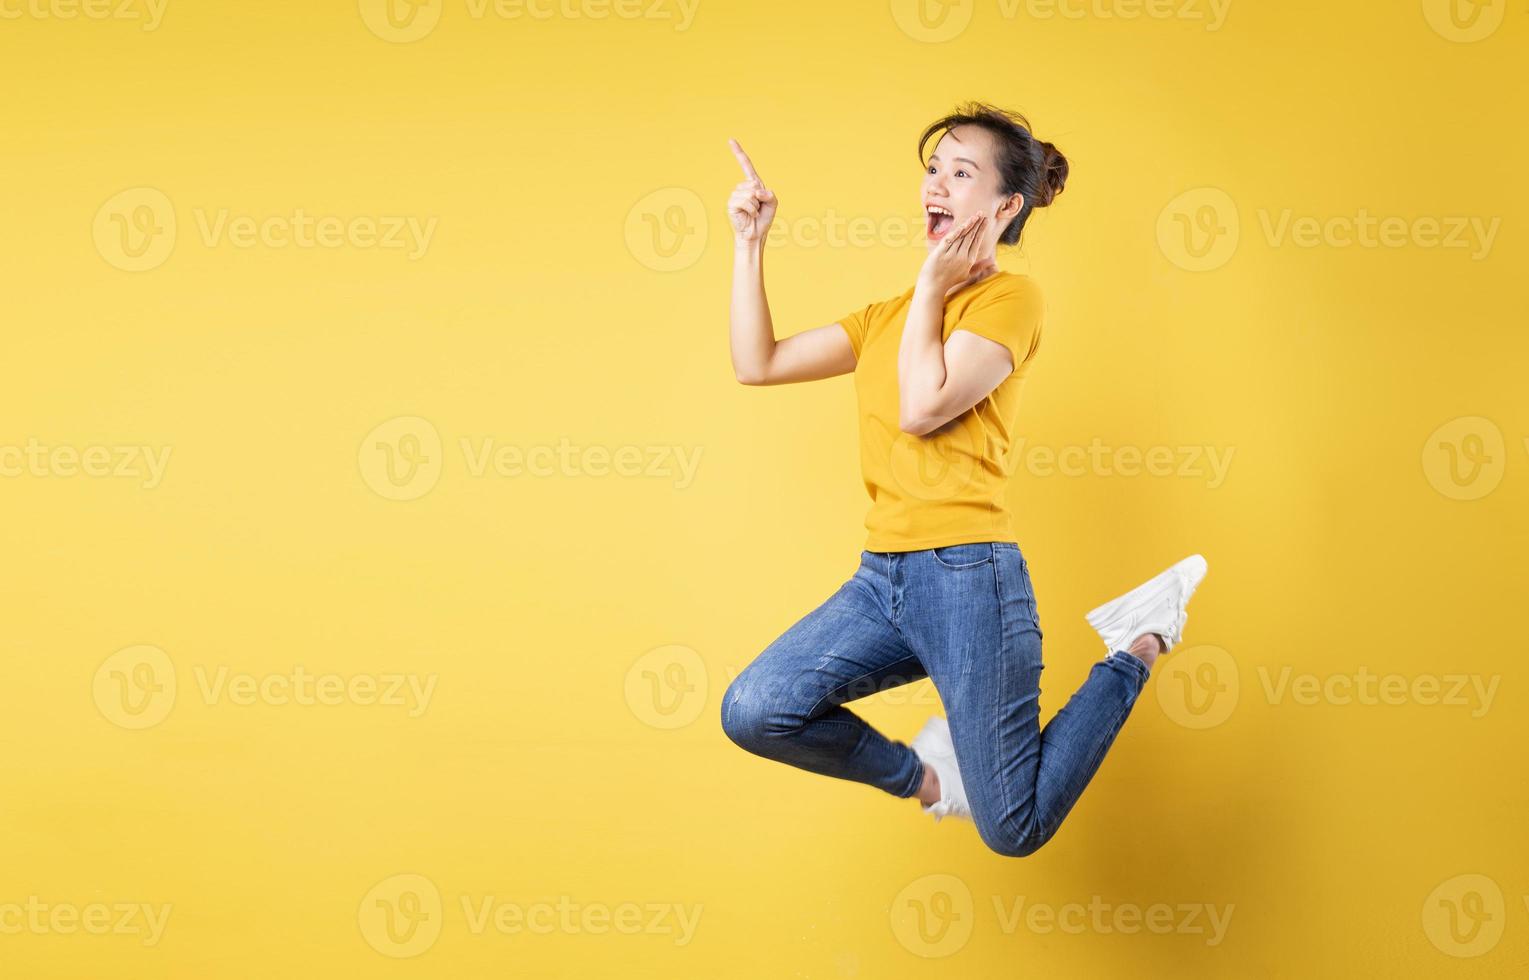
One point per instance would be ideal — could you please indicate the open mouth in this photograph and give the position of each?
(940, 221)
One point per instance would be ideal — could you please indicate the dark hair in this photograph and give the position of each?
(1026, 165)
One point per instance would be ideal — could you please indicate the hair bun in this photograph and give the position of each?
(1053, 173)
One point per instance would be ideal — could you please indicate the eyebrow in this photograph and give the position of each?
(935, 156)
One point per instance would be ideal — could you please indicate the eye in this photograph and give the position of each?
(962, 172)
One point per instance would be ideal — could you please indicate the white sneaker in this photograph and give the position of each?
(934, 746)
(1156, 606)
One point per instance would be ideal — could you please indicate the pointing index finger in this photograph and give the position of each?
(745, 162)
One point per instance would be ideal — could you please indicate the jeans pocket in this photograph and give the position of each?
(959, 556)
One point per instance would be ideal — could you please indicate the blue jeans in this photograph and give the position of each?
(963, 615)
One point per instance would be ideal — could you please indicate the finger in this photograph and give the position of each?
(973, 242)
(956, 240)
(978, 236)
(745, 162)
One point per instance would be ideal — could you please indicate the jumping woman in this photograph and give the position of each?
(942, 590)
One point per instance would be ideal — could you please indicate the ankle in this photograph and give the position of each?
(929, 789)
(1147, 648)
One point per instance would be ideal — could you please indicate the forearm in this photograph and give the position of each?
(752, 332)
(921, 356)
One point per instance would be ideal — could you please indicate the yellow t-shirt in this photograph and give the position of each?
(946, 487)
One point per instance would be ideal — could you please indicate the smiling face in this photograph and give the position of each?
(961, 178)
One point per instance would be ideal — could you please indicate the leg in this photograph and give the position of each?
(787, 704)
(974, 623)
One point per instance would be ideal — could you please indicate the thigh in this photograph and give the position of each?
(978, 632)
(843, 650)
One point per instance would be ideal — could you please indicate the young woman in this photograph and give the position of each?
(942, 590)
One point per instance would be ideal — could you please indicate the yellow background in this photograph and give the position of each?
(546, 607)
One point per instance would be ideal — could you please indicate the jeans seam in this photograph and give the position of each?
(1003, 669)
(862, 731)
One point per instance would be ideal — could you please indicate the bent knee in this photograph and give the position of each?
(1012, 839)
(745, 718)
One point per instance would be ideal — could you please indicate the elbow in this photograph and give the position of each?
(749, 377)
(917, 423)
(918, 414)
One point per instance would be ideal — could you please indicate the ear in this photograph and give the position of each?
(1017, 201)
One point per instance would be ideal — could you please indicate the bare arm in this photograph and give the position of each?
(937, 381)
(758, 358)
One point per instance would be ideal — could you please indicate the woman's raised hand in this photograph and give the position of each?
(752, 206)
(962, 256)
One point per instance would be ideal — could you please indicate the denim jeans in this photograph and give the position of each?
(963, 615)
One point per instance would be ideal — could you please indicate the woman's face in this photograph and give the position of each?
(961, 179)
